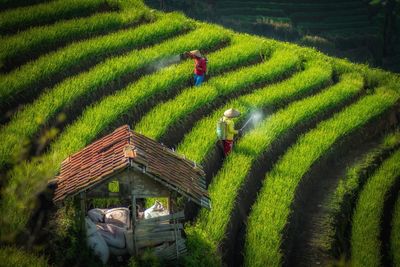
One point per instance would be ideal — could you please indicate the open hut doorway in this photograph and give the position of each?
(129, 188)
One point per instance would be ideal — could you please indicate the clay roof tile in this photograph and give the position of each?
(113, 152)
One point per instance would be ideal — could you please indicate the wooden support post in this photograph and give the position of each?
(83, 208)
(133, 221)
(171, 210)
(169, 204)
(176, 238)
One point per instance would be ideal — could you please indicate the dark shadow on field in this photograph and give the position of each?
(340, 246)
(301, 245)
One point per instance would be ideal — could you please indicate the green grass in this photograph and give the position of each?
(28, 79)
(24, 17)
(365, 236)
(272, 209)
(85, 84)
(25, 45)
(191, 99)
(395, 235)
(17, 257)
(341, 204)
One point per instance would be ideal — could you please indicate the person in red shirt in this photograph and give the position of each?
(200, 66)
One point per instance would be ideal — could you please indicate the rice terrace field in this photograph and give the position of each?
(314, 182)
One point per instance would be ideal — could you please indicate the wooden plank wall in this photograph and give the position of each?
(164, 231)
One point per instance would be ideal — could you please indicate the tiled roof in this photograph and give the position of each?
(114, 152)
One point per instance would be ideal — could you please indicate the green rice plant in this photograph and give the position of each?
(21, 47)
(191, 99)
(341, 204)
(365, 235)
(64, 94)
(201, 250)
(235, 169)
(238, 164)
(24, 17)
(272, 209)
(13, 257)
(29, 78)
(198, 143)
(395, 235)
(97, 118)
(27, 122)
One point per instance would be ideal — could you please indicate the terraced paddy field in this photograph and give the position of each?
(353, 29)
(315, 182)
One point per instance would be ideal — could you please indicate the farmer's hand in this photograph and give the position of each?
(184, 55)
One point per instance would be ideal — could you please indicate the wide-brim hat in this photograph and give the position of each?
(231, 113)
(196, 53)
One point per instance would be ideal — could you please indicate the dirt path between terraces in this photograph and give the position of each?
(302, 245)
(233, 244)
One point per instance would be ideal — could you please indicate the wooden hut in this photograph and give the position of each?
(130, 166)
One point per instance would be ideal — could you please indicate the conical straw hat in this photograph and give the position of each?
(196, 53)
(231, 113)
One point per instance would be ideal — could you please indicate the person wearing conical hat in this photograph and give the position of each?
(228, 117)
(200, 66)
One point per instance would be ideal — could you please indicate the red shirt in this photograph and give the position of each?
(200, 66)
